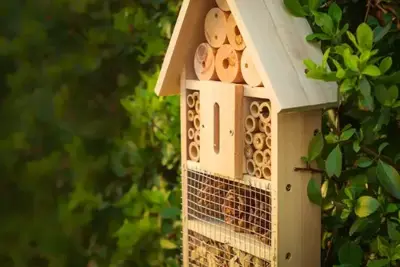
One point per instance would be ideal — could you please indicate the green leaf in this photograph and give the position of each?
(380, 32)
(365, 206)
(350, 253)
(378, 263)
(356, 146)
(310, 64)
(391, 207)
(170, 213)
(393, 231)
(346, 135)
(315, 146)
(365, 36)
(371, 70)
(347, 85)
(313, 4)
(318, 36)
(359, 225)
(383, 246)
(167, 244)
(364, 162)
(295, 8)
(314, 192)
(353, 40)
(324, 21)
(350, 60)
(385, 65)
(333, 164)
(382, 147)
(389, 178)
(324, 189)
(335, 13)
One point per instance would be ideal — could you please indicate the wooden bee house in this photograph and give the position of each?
(248, 113)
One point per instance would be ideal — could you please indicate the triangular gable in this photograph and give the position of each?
(275, 40)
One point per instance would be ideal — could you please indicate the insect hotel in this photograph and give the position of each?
(248, 113)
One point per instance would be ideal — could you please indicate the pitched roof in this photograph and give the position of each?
(276, 41)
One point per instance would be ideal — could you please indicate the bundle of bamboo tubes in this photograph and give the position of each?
(224, 55)
(257, 147)
(193, 125)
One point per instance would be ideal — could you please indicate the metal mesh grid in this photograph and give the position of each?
(228, 210)
(257, 147)
(206, 252)
(193, 124)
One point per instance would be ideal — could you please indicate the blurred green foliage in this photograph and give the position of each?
(89, 156)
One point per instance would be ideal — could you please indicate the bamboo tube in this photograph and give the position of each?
(249, 71)
(196, 122)
(250, 123)
(204, 62)
(268, 141)
(197, 107)
(266, 172)
(248, 152)
(250, 167)
(196, 96)
(222, 4)
(197, 137)
(261, 126)
(234, 36)
(258, 172)
(215, 27)
(265, 112)
(248, 138)
(190, 115)
(267, 157)
(194, 151)
(259, 141)
(258, 158)
(267, 129)
(190, 101)
(255, 109)
(191, 133)
(227, 64)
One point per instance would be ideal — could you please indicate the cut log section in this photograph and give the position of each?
(204, 62)
(197, 137)
(194, 152)
(250, 167)
(265, 112)
(190, 115)
(255, 109)
(248, 138)
(197, 106)
(227, 64)
(250, 123)
(196, 122)
(258, 158)
(223, 5)
(215, 26)
(249, 72)
(248, 152)
(190, 101)
(259, 141)
(191, 133)
(234, 36)
(266, 172)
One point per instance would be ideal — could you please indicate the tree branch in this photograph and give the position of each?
(386, 159)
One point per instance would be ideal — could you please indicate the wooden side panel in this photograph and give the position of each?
(184, 142)
(227, 160)
(187, 35)
(297, 221)
(274, 56)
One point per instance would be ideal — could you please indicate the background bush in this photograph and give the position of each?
(89, 157)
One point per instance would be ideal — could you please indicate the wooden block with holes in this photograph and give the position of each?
(248, 113)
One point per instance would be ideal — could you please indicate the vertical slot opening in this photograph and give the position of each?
(216, 128)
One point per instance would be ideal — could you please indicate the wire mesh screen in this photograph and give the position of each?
(206, 252)
(230, 211)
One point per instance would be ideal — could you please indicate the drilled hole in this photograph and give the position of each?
(225, 63)
(266, 172)
(288, 187)
(268, 129)
(216, 15)
(265, 112)
(250, 167)
(216, 37)
(246, 66)
(316, 131)
(288, 256)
